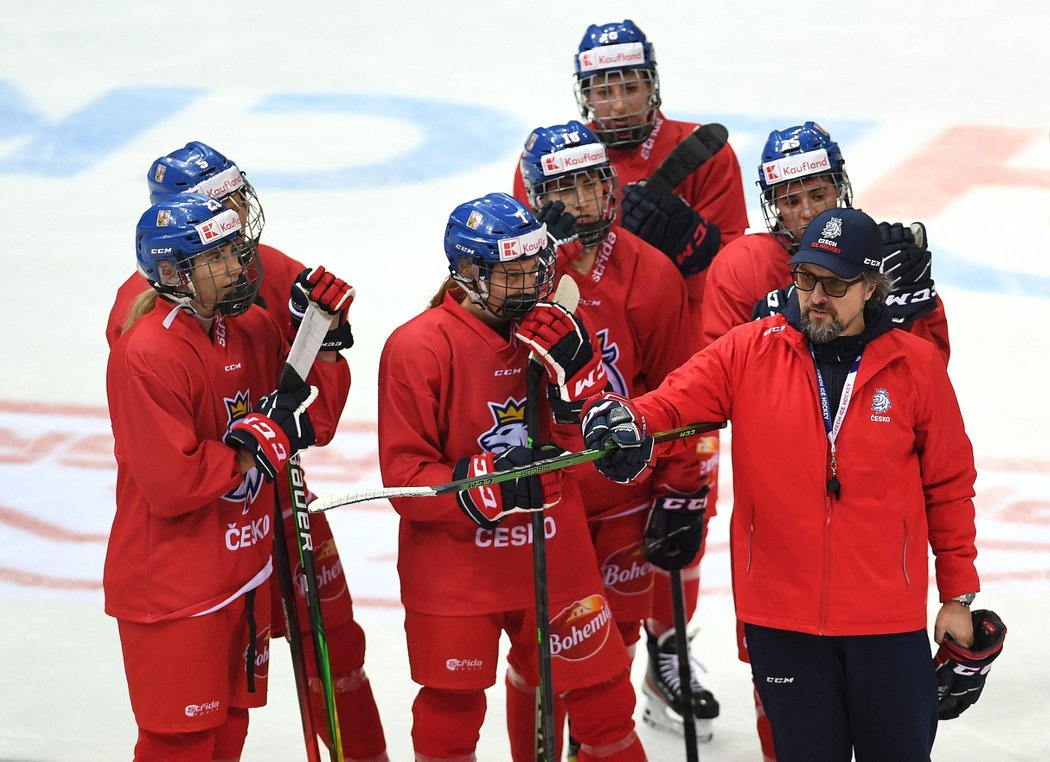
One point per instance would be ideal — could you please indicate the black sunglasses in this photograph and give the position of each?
(835, 287)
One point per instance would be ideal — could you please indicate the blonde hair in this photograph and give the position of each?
(144, 302)
(449, 284)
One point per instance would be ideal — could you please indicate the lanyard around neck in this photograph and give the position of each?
(833, 425)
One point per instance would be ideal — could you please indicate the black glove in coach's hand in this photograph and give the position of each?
(961, 671)
(277, 429)
(665, 221)
(331, 294)
(612, 418)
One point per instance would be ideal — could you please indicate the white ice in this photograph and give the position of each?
(362, 125)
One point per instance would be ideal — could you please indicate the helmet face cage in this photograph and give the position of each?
(599, 94)
(508, 290)
(590, 194)
(770, 194)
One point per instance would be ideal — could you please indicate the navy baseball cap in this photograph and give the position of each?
(845, 241)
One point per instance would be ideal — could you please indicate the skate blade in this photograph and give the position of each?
(659, 715)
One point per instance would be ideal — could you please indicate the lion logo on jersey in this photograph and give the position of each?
(509, 426)
(246, 492)
(880, 401)
(610, 356)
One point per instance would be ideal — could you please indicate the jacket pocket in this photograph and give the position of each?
(904, 556)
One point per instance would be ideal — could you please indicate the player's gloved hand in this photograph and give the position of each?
(561, 229)
(612, 418)
(333, 295)
(906, 260)
(774, 303)
(561, 342)
(961, 671)
(676, 529)
(671, 225)
(277, 429)
(487, 506)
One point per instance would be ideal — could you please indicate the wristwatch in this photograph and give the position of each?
(965, 599)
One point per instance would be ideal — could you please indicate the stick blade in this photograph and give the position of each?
(688, 156)
(339, 499)
(307, 344)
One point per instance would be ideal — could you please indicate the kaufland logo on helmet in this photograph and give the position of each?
(799, 165)
(525, 245)
(219, 226)
(222, 184)
(612, 57)
(574, 158)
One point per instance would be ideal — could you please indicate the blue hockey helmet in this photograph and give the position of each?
(499, 254)
(199, 168)
(171, 236)
(612, 62)
(792, 154)
(567, 163)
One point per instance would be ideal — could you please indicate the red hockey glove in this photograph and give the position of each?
(278, 429)
(561, 342)
(961, 671)
(333, 295)
(487, 506)
(612, 418)
(675, 529)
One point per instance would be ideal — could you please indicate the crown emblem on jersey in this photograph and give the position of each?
(238, 407)
(510, 412)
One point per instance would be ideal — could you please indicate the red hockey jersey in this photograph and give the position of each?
(449, 387)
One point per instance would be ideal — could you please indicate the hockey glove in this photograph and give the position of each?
(774, 304)
(665, 221)
(487, 506)
(278, 429)
(560, 341)
(961, 671)
(331, 294)
(612, 418)
(561, 229)
(676, 529)
(906, 261)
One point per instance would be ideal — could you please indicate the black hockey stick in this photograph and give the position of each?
(685, 676)
(555, 463)
(687, 157)
(307, 344)
(568, 296)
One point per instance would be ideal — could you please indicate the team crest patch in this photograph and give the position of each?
(832, 228)
(880, 401)
(163, 218)
(508, 428)
(474, 220)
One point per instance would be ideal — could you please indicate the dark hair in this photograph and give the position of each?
(883, 286)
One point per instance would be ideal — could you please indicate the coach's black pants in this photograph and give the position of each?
(830, 697)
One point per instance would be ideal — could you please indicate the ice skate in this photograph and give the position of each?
(661, 689)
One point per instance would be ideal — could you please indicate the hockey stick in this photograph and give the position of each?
(685, 677)
(568, 296)
(687, 157)
(307, 344)
(555, 463)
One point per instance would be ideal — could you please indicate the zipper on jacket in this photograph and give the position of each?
(904, 559)
(827, 564)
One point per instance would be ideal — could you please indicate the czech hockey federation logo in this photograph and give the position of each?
(880, 401)
(832, 228)
(245, 493)
(610, 356)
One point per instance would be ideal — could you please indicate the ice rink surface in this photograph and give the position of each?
(362, 126)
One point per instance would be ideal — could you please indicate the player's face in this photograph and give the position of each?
(514, 287)
(799, 201)
(827, 317)
(583, 194)
(215, 273)
(620, 100)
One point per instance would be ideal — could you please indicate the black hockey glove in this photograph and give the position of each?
(906, 261)
(665, 221)
(961, 672)
(277, 429)
(774, 304)
(333, 295)
(676, 529)
(487, 506)
(611, 418)
(561, 225)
